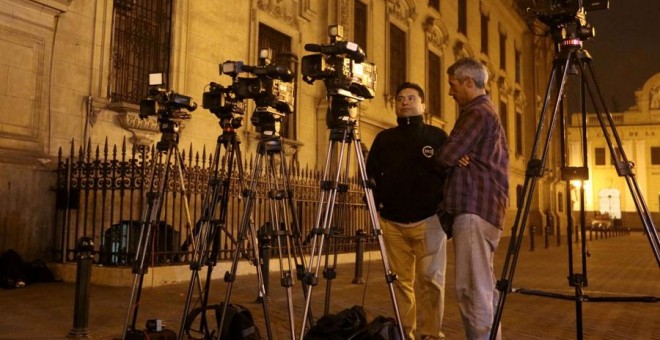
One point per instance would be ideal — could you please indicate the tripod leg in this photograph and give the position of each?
(371, 204)
(247, 227)
(279, 219)
(623, 165)
(330, 273)
(150, 218)
(208, 231)
(535, 168)
(323, 221)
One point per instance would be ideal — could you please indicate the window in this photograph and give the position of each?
(433, 92)
(502, 51)
(435, 4)
(519, 134)
(398, 58)
(503, 114)
(560, 202)
(655, 155)
(518, 67)
(519, 196)
(599, 156)
(462, 17)
(280, 45)
(141, 44)
(360, 24)
(484, 34)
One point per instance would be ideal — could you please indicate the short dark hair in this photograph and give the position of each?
(409, 85)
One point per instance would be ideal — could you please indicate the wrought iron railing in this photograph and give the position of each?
(101, 195)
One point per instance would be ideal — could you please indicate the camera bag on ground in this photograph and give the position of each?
(238, 324)
(349, 323)
(13, 272)
(381, 328)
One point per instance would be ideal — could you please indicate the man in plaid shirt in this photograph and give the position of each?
(475, 193)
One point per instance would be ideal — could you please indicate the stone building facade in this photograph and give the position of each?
(58, 70)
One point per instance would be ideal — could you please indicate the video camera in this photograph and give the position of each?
(271, 87)
(558, 8)
(555, 12)
(165, 104)
(341, 64)
(222, 101)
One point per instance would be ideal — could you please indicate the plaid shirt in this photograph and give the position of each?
(481, 187)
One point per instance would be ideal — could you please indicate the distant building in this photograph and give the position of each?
(639, 130)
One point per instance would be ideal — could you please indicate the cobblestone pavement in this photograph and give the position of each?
(621, 266)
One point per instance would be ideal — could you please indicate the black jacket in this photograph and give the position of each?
(408, 186)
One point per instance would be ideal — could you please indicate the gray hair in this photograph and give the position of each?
(469, 67)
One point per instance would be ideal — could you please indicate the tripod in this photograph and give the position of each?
(282, 217)
(571, 57)
(168, 145)
(343, 131)
(207, 232)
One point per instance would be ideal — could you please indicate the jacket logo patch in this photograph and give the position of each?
(427, 151)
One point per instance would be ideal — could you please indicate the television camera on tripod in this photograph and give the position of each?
(567, 25)
(349, 80)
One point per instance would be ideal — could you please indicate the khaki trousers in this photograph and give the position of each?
(417, 255)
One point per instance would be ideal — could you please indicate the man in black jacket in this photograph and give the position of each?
(408, 191)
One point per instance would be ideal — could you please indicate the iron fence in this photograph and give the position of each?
(101, 195)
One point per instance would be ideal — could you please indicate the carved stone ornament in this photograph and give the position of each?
(519, 99)
(144, 130)
(436, 36)
(460, 50)
(504, 86)
(95, 106)
(403, 10)
(284, 10)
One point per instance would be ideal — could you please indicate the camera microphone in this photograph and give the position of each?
(351, 49)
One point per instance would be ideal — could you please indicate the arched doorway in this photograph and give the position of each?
(609, 202)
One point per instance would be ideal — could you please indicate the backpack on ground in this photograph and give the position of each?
(238, 324)
(382, 328)
(349, 323)
(12, 270)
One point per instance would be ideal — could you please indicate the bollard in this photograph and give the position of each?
(360, 238)
(264, 254)
(85, 248)
(547, 236)
(532, 231)
(558, 232)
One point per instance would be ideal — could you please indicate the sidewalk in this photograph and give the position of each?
(618, 266)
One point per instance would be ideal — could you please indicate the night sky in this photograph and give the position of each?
(625, 50)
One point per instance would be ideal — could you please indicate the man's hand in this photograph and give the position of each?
(464, 161)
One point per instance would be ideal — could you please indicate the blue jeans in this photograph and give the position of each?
(417, 255)
(475, 242)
